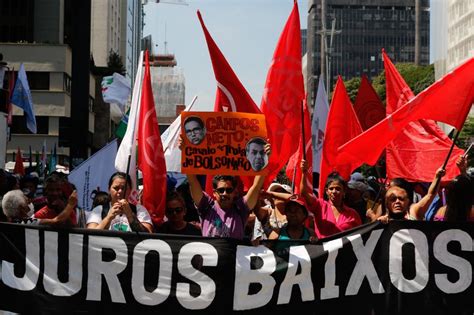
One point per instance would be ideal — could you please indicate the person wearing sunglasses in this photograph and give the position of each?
(226, 212)
(175, 212)
(399, 204)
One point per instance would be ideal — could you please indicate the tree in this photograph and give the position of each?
(418, 78)
(114, 62)
(466, 137)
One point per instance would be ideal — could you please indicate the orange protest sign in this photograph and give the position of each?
(223, 143)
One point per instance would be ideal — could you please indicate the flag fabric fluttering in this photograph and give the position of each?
(170, 140)
(231, 95)
(368, 106)
(294, 161)
(455, 88)
(19, 167)
(151, 160)
(116, 89)
(122, 127)
(128, 146)
(93, 173)
(21, 97)
(342, 125)
(283, 94)
(421, 148)
(318, 127)
(53, 160)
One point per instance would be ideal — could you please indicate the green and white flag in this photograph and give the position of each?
(116, 89)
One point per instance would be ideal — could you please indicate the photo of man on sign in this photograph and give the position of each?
(255, 153)
(194, 129)
(232, 143)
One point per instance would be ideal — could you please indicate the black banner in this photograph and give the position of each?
(401, 268)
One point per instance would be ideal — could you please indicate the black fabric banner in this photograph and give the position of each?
(401, 268)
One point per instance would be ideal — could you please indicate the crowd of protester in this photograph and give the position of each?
(254, 215)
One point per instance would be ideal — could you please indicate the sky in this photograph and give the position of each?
(246, 31)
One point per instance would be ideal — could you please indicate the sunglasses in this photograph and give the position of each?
(395, 198)
(174, 210)
(221, 190)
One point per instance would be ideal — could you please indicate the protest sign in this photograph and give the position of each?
(223, 143)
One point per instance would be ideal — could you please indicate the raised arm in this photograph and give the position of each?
(194, 185)
(418, 210)
(195, 188)
(307, 195)
(64, 215)
(252, 195)
(461, 163)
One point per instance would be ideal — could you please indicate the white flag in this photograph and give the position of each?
(170, 138)
(116, 89)
(93, 174)
(128, 147)
(318, 125)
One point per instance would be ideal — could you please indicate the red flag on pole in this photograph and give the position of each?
(231, 95)
(447, 100)
(295, 159)
(19, 168)
(342, 125)
(283, 94)
(421, 148)
(151, 160)
(368, 107)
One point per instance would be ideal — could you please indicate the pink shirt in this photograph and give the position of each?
(326, 224)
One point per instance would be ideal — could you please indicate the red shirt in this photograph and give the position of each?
(48, 213)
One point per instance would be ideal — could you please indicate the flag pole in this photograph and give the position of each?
(128, 171)
(438, 179)
(451, 149)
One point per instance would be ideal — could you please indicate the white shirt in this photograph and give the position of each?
(120, 222)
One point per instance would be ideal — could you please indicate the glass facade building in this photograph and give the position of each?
(363, 28)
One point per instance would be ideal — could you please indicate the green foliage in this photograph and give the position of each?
(418, 78)
(352, 86)
(466, 137)
(114, 62)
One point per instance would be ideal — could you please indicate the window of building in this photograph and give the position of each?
(38, 80)
(19, 125)
(67, 83)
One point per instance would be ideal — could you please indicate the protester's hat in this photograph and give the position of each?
(357, 182)
(357, 177)
(276, 186)
(300, 201)
(360, 186)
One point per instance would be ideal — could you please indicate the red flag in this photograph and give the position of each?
(295, 159)
(368, 107)
(448, 100)
(230, 95)
(421, 148)
(283, 94)
(151, 160)
(19, 168)
(342, 125)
